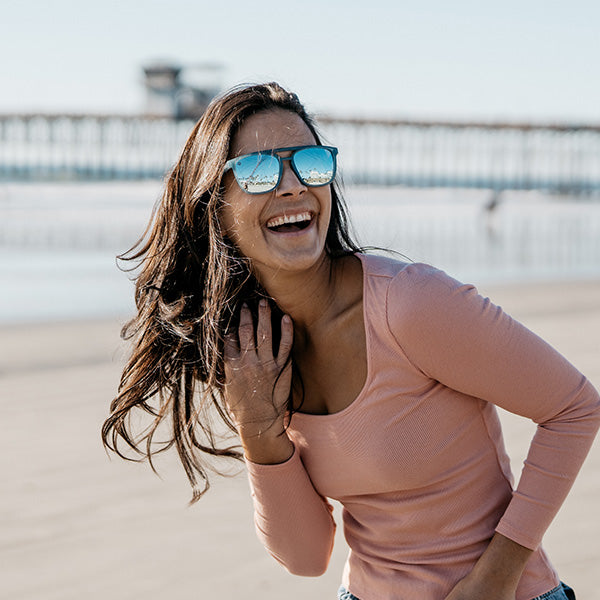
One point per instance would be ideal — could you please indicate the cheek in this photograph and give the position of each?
(228, 220)
(326, 209)
(232, 211)
(238, 220)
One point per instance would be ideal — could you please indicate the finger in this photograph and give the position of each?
(264, 343)
(246, 329)
(287, 338)
(231, 348)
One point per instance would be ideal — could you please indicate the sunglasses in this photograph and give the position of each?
(260, 172)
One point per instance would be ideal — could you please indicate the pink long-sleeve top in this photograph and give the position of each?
(418, 460)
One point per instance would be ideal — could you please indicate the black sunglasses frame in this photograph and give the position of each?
(275, 152)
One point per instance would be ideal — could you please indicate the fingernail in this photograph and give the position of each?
(262, 303)
(287, 319)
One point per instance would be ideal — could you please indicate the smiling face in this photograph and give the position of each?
(282, 230)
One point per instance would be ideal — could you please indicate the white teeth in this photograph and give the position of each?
(285, 219)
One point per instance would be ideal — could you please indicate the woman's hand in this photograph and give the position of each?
(256, 388)
(470, 588)
(496, 574)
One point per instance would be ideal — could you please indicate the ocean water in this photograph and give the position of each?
(58, 242)
(58, 248)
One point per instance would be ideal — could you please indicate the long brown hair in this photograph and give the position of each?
(191, 280)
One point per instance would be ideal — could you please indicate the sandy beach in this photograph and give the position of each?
(77, 524)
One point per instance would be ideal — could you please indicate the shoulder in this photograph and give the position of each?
(422, 292)
(416, 297)
(398, 278)
(400, 295)
(375, 265)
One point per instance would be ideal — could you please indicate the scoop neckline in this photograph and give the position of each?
(359, 396)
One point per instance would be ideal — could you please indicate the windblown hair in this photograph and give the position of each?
(191, 281)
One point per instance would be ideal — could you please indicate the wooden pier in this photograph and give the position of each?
(556, 158)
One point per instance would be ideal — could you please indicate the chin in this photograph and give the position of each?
(291, 262)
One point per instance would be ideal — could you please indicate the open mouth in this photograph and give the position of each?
(290, 223)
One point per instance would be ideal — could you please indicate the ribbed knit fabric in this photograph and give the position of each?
(418, 460)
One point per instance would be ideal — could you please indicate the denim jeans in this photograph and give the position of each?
(562, 592)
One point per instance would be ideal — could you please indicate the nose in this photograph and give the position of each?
(289, 185)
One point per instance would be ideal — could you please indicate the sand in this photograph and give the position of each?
(76, 524)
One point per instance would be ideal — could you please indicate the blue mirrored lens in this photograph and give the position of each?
(257, 173)
(315, 165)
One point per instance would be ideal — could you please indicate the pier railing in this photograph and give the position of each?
(497, 156)
(88, 147)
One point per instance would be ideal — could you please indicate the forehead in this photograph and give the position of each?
(269, 129)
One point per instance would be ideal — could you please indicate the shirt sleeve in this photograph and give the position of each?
(464, 341)
(292, 520)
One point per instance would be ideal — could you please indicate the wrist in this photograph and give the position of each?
(268, 448)
(503, 561)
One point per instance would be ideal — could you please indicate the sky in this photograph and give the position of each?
(532, 60)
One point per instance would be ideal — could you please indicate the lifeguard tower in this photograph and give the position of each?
(180, 91)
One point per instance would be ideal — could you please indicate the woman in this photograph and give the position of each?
(345, 375)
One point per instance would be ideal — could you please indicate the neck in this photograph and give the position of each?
(308, 297)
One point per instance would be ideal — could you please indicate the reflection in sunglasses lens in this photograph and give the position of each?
(314, 165)
(257, 173)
